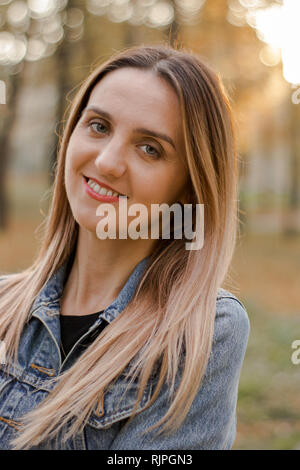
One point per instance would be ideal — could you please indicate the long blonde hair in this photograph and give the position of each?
(173, 309)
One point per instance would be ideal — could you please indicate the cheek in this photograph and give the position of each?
(172, 186)
(71, 175)
(68, 171)
(75, 150)
(71, 157)
(160, 186)
(73, 162)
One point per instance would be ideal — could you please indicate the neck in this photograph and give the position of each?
(99, 272)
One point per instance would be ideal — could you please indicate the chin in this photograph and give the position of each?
(86, 221)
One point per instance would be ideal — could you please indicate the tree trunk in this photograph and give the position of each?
(61, 58)
(291, 225)
(173, 30)
(6, 128)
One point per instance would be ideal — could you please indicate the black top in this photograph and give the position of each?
(72, 327)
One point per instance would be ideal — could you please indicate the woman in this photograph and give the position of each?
(124, 343)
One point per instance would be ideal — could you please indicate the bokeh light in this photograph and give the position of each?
(188, 9)
(235, 6)
(251, 18)
(119, 11)
(98, 7)
(17, 13)
(236, 18)
(41, 8)
(189, 6)
(12, 49)
(278, 26)
(252, 3)
(160, 14)
(52, 30)
(291, 41)
(139, 15)
(75, 34)
(74, 18)
(61, 4)
(268, 24)
(270, 56)
(146, 3)
(36, 49)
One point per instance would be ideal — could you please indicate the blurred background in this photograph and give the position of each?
(47, 47)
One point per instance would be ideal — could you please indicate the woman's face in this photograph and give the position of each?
(129, 137)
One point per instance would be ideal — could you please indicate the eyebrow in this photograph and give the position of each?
(141, 130)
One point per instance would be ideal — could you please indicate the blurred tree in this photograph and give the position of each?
(7, 120)
(80, 34)
(174, 27)
(67, 55)
(293, 200)
(62, 84)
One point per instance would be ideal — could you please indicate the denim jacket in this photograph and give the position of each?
(209, 424)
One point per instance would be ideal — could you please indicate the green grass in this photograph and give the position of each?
(269, 401)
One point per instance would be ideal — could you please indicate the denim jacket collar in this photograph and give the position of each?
(52, 291)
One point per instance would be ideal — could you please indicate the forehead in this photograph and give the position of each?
(139, 94)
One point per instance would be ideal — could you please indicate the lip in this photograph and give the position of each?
(99, 197)
(103, 184)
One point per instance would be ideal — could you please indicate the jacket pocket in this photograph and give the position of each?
(17, 397)
(8, 426)
(118, 403)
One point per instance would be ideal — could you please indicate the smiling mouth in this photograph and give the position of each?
(101, 190)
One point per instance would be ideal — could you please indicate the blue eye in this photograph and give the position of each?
(94, 126)
(156, 152)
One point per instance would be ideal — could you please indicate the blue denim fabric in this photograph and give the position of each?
(210, 422)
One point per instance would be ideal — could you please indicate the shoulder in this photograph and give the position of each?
(232, 325)
(225, 294)
(231, 311)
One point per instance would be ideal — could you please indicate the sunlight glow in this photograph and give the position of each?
(279, 27)
(270, 56)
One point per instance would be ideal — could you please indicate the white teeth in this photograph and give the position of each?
(103, 191)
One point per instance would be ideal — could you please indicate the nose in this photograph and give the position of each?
(111, 157)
